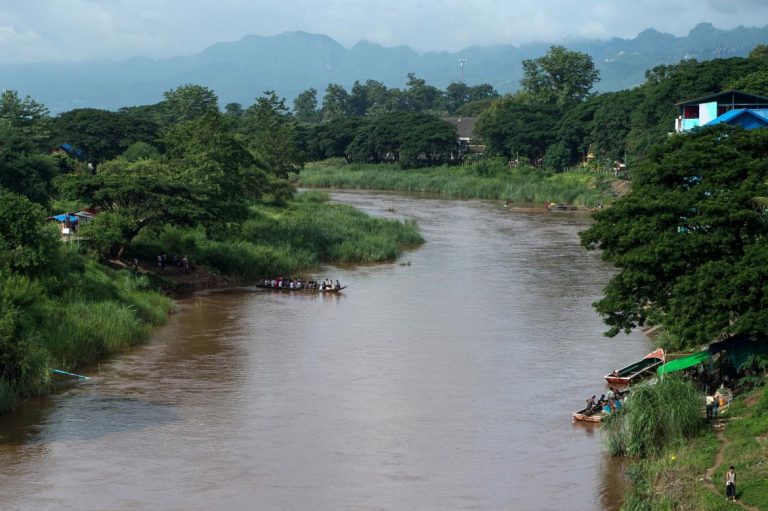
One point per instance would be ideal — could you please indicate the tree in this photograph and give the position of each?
(412, 139)
(691, 249)
(22, 169)
(305, 106)
(331, 138)
(188, 102)
(25, 115)
(217, 163)
(421, 97)
(27, 243)
(511, 128)
(335, 102)
(102, 135)
(458, 94)
(133, 196)
(272, 135)
(754, 83)
(560, 77)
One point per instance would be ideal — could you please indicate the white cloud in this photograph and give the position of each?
(44, 30)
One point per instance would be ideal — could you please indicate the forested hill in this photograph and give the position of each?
(292, 62)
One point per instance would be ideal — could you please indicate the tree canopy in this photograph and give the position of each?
(412, 139)
(102, 135)
(561, 77)
(691, 248)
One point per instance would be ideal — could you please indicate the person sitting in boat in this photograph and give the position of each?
(617, 404)
(611, 394)
(615, 372)
(338, 285)
(591, 403)
(607, 408)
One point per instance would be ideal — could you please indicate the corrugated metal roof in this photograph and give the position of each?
(731, 115)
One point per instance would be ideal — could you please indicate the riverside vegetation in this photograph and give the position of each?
(689, 242)
(179, 179)
(485, 179)
(282, 240)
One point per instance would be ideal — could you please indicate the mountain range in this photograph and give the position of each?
(291, 62)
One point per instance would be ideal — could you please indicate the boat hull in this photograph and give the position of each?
(581, 416)
(261, 285)
(638, 370)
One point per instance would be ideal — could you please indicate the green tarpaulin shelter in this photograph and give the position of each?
(683, 363)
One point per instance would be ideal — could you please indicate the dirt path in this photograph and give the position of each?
(707, 478)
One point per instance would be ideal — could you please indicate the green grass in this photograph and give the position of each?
(76, 313)
(670, 478)
(486, 179)
(283, 240)
(654, 416)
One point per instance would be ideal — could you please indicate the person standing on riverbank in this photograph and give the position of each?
(730, 483)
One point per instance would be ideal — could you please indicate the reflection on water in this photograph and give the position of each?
(444, 384)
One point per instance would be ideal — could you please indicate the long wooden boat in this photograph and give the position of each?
(633, 372)
(582, 416)
(264, 285)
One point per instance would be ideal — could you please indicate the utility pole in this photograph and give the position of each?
(462, 61)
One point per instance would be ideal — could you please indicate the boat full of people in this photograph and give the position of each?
(301, 285)
(596, 408)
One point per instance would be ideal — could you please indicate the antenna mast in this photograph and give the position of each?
(462, 61)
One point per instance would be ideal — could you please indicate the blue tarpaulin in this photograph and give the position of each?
(63, 218)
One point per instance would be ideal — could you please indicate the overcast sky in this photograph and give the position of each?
(45, 30)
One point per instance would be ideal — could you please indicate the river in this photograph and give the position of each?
(444, 380)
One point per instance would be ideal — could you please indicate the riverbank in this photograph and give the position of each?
(690, 475)
(82, 310)
(485, 179)
(282, 240)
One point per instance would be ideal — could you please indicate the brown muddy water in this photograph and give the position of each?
(441, 381)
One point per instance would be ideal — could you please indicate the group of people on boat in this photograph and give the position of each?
(608, 403)
(300, 283)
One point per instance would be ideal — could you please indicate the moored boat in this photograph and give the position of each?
(583, 416)
(638, 370)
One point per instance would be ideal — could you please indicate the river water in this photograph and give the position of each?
(441, 381)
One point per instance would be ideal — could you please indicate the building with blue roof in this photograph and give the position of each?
(747, 118)
(732, 107)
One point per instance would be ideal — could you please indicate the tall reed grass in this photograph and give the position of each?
(654, 417)
(283, 240)
(76, 312)
(486, 179)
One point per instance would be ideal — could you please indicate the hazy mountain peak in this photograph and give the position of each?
(291, 62)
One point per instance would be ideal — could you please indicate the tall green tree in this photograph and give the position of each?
(305, 106)
(22, 168)
(335, 102)
(409, 138)
(513, 128)
(422, 97)
(561, 77)
(25, 115)
(188, 102)
(273, 135)
(102, 135)
(28, 243)
(458, 94)
(691, 249)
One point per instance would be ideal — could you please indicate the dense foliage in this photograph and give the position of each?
(177, 175)
(688, 241)
(489, 178)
